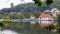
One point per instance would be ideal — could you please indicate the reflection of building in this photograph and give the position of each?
(32, 18)
(55, 12)
(45, 20)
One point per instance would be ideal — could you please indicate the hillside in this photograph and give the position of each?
(29, 7)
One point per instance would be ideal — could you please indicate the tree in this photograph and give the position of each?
(49, 2)
(41, 2)
(38, 2)
(37, 13)
(50, 27)
(57, 27)
(20, 15)
(12, 15)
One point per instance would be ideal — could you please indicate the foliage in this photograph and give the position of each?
(41, 2)
(50, 27)
(20, 15)
(58, 30)
(49, 2)
(38, 2)
(37, 13)
(57, 4)
(5, 23)
(1, 24)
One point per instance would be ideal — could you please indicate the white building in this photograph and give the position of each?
(55, 12)
(45, 20)
(32, 18)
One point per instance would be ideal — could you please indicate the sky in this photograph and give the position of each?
(6, 3)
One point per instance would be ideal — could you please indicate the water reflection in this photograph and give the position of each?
(24, 28)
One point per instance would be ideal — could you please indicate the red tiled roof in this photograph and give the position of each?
(45, 15)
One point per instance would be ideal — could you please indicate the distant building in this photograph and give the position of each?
(32, 17)
(12, 7)
(45, 20)
(55, 12)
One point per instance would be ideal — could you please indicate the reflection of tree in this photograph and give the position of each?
(58, 29)
(59, 20)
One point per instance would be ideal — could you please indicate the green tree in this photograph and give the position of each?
(41, 2)
(49, 2)
(37, 13)
(38, 2)
(20, 15)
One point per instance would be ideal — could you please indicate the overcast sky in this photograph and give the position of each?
(6, 3)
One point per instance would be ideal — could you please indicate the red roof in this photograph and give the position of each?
(45, 15)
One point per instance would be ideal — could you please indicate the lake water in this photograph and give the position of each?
(23, 28)
(8, 32)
